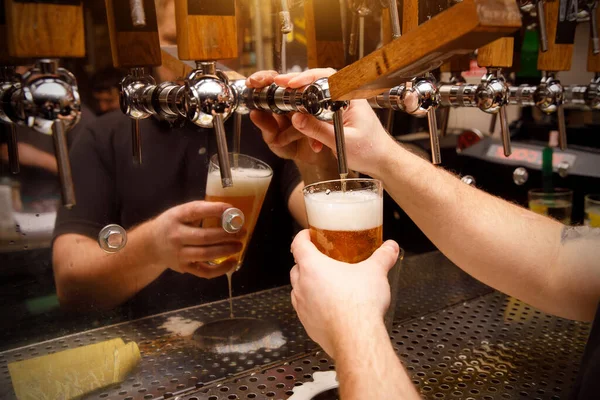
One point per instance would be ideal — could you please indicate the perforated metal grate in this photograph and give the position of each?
(172, 364)
(493, 347)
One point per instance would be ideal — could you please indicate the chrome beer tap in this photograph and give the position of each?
(548, 98)
(314, 99)
(209, 101)
(587, 96)
(420, 98)
(47, 101)
(492, 97)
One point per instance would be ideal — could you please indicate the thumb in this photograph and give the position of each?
(386, 256)
(313, 128)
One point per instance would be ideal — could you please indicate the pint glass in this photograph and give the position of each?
(251, 179)
(346, 223)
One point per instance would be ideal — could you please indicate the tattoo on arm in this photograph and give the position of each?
(570, 233)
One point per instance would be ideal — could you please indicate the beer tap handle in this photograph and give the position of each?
(594, 40)
(136, 141)
(562, 127)
(445, 120)
(434, 140)
(13, 149)
(542, 25)
(237, 137)
(354, 32)
(505, 132)
(286, 27)
(395, 19)
(493, 123)
(223, 154)
(340, 142)
(64, 165)
(138, 15)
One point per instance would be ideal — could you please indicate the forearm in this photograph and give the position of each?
(367, 366)
(501, 244)
(48, 162)
(87, 277)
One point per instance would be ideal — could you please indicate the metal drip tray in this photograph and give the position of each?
(173, 364)
(492, 347)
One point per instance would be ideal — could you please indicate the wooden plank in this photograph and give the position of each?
(499, 53)
(410, 15)
(39, 30)
(324, 36)
(457, 63)
(461, 29)
(559, 56)
(593, 61)
(206, 37)
(132, 46)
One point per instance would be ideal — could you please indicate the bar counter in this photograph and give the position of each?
(458, 338)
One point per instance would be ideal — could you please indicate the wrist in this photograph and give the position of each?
(324, 170)
(355, 331)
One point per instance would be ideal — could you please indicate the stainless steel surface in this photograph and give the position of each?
(138, 15)
(434, 139)
(492, 347)
(112, 238)
(172, 364)
(445, 120)
(520, 176)
(340, 142)
(394, 19)
(232, 220)
(61, 151)
(136, 141)
(549, 93)
(223, 154)
(522, 95)
(541, 15)
(594, 40)
(468, 179)
(562, 127)
(505, 131)
(207, 95)
(492, 92)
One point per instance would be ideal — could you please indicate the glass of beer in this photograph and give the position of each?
(251, 179)
(592, 210)
(557, 204)
(345, 217)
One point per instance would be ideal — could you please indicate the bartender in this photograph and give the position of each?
(538, 260)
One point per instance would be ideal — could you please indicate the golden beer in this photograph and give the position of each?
(251, 181)
(345, 225)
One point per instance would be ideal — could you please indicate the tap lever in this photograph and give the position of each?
(340, 142)
(434, 140)
(136, 141)
(138, 15)
(505, 131)
(61, 151)
(13, 149)
(562, 127)
(223, 154)
(395, 19)
(542, 25)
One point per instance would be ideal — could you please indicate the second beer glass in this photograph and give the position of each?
(346, 225)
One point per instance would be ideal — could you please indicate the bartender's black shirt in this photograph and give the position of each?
(110, 189)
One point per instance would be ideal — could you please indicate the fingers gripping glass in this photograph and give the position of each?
(251, 179)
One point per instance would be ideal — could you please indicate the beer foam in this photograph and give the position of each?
(349, 211)
(246, 181)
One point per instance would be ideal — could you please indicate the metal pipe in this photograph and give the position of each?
(136, 141)
(361, 37)
(562, 127)
(222, 153)
(237, 138)
(505, 132)
(340, 142)
(63, 163)
(257, 31)
(434, 140)
(594, 29)
(493, 124)
(13, 149)
(542, 26)
(138, 15)
(395, 20)
(354, 32)
(445, 120)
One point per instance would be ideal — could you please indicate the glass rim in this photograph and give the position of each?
(593, 198)
(556, 192)
(315, 184)
(214, 160)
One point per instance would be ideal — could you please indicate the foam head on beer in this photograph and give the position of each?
(346, 226)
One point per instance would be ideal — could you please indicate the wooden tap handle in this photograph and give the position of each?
(44, 30)
(458, 30)
(206, 29)
(593, 61)
(457, 63)
(498, 54)
(324, 35)
(559, 55)
(132, 46)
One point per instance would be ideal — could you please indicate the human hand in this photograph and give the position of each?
(31, 156)
(366, 139)
(184, 247)
(277, 130)
(329, 295)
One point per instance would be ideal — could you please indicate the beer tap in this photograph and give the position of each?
(455, 66)
(560, 24)
(419, 98)
(203, 36)
(135, 22)
(390, 20)
(313, 99)
(10, 85)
